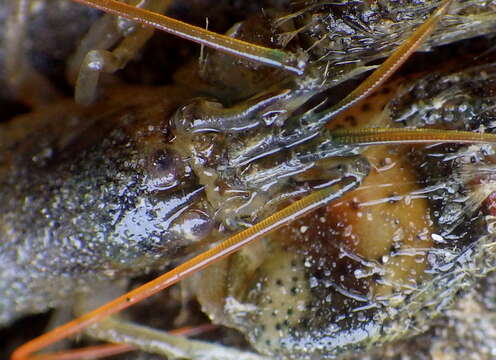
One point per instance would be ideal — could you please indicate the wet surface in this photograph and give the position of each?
(370, 269)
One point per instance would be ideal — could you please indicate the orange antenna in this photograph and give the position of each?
(378, 136)
(272, 57)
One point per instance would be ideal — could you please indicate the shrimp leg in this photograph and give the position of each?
(88, 64)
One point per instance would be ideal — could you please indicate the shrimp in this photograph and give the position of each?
(219, 167)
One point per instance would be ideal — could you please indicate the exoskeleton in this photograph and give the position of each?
(147, 176)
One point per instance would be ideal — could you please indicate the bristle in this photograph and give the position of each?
(482, 182)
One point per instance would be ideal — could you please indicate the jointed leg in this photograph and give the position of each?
(93, 56)
(112, 329)
(158, 342)
(90, 352)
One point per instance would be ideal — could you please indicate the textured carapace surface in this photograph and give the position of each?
(94, 194)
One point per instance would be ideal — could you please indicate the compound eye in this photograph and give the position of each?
(194, 225)
(165, 170)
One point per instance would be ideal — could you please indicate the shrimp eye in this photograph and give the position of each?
(193, 225)
(166, 170)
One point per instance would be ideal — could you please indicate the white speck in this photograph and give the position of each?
(438, 239)
(300, 306)
(303, 229)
